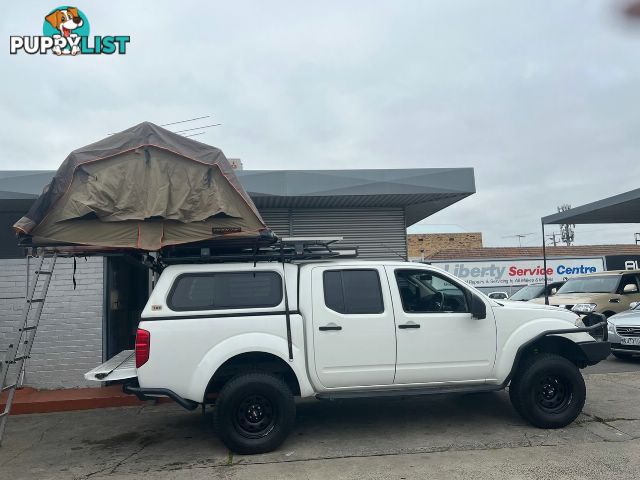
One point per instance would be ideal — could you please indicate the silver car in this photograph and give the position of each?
(624, 332)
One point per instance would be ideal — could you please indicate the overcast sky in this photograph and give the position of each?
(541, 98)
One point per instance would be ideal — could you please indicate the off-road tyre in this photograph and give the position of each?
(548, 391)
(254, 413)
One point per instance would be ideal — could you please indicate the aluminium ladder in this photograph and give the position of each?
(20, 349)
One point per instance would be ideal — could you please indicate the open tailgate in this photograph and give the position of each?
(120, 367)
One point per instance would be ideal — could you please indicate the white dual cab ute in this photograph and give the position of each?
(248, 337)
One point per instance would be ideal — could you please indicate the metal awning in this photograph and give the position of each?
(421, 192)
(623, 208)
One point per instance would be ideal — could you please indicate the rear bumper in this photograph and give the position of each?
(595, 351)
(150, 393)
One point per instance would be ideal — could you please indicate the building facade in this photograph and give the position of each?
(85, 325)
(421, 246)
(510, 268)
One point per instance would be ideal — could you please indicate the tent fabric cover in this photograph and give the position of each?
(622, 208)
(143, 188)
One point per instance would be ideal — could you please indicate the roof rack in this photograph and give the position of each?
(285, 249)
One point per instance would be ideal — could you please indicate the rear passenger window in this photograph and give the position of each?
(226, 290)
(353, 291)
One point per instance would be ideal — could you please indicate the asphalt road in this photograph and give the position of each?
(438, 437)
(614, 365)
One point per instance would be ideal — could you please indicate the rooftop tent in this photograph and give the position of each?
(623, 208)
(143, 188)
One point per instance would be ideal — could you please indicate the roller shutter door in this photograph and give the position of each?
(277, 219)
(377, 232)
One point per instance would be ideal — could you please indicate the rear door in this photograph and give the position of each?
(353, 326)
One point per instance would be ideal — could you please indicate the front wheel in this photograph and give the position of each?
(254, 413)
(548, 391)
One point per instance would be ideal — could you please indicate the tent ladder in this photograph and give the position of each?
(13, 366)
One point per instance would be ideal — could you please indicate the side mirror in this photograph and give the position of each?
(630, 288)
(478, 308)
(633, 305)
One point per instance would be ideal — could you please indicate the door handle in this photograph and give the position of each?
(409, 325)
(329, 327)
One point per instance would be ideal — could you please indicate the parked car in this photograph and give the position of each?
(606, 292)
(249, 337)
(499, 295)
(624, 332)
(535, 290)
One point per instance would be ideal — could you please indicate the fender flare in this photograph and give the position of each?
(253, 342)
(563, 332)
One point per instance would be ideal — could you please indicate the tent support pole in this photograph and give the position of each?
(544, 263)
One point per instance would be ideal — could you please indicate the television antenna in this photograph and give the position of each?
(181, 132)
(519, 236)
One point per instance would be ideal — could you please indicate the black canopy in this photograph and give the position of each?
(623, 208)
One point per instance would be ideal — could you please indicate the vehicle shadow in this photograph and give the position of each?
(328, 429)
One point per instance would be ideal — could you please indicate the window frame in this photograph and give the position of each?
(466, 292)
(362, 269)
(176, 280)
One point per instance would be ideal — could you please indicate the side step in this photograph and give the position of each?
(408, 392)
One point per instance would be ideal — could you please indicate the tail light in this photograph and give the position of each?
(143, 347)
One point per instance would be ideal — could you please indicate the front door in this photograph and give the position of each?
(353, 326)
(438, 339)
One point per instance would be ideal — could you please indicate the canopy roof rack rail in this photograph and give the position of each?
(286, 249)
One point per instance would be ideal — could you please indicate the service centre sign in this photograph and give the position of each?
(495, 273)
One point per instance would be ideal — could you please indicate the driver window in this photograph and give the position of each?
(427, 292)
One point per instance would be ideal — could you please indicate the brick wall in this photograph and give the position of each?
(429, 243)
(69, 339)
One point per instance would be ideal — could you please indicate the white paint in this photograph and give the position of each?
(449, 348)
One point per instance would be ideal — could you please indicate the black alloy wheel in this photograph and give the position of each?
(255, 417)
(553, 394)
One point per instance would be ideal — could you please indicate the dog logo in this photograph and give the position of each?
(65, 31)
(68, 23)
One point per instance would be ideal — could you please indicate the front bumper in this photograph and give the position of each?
(595, 351)
(630, 349)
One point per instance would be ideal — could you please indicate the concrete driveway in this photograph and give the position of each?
(465, 436)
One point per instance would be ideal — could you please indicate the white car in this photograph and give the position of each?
(249, 337)
(498, 295)
(624, 333)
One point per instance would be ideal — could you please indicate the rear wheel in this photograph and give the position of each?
(548, 391)
(254, 413)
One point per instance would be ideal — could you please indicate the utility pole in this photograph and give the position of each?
(552, 237)
(566, 229)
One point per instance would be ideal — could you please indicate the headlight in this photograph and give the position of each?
(611, 327)
(584, 307)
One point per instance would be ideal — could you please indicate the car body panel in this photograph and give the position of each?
(629, 318)
(188, 347)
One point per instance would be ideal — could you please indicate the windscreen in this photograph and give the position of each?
(527, 293)
(604, 284)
